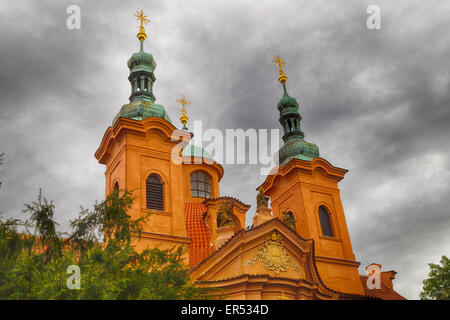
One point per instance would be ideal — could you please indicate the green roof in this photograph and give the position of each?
(141, 109)
(141, 61)
(142, 101)
(195, 151)
(295, 147)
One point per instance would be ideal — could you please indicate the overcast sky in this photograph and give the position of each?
(376, 102)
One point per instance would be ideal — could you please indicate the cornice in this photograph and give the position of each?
(192, 160)
(304, 166)
(166, 237)
(138, 127)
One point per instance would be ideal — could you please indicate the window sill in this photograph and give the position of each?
(330, 238)
(154, 211)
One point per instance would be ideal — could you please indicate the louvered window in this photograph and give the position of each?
(325, 223)
(154, 192)
(200, 185)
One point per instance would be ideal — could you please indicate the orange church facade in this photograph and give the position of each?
(298, 248)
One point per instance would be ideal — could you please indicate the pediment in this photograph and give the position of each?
(271, 250)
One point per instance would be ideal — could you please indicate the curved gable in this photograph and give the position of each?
(270, 254)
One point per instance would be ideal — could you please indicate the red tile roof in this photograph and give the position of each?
(385, 292)
(200, 247)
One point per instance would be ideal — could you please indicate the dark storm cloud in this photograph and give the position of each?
(375, 102)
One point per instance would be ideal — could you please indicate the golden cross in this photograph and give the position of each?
(183, 101)
(141, 17)
(279, 61)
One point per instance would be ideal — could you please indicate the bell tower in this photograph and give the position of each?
(137, 152)
(305, 188)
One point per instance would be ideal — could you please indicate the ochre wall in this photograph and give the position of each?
(131, 151)
(302, 187)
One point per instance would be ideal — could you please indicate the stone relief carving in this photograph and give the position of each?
(274, 256)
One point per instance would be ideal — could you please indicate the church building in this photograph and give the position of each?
(299, 248)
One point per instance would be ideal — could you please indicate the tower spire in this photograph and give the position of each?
(142, 66)
(184, 118)
(294, 145)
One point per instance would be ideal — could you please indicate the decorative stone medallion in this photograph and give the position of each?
(273, 256)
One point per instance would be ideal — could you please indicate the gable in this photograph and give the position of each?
(271, 250)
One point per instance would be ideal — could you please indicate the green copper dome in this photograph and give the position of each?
(194, 151)
(141, 109)
(287, 103)
(295, 147)
(142, 100)
(141, 61)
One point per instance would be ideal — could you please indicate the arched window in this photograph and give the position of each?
(115, 189)
(200, 184)
(325, 223)
(155, 192)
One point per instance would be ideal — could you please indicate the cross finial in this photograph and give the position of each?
(144, 20)
(184, 118)
(280, 63)
(141, 17)
(282, 296)
(183, 101)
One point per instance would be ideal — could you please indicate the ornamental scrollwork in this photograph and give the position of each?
(274, 256)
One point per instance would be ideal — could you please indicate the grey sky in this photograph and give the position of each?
(375, 102)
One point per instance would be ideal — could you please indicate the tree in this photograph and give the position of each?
(437, 286)
(1, 161)
(34, 256)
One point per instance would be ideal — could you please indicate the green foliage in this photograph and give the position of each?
(1, 161)
(34, 256)
(437, 286)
